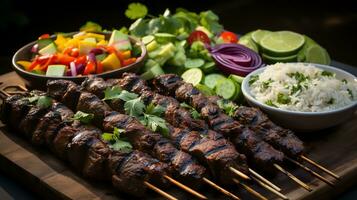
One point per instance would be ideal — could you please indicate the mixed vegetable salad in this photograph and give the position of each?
(193, 45)
(86, 52)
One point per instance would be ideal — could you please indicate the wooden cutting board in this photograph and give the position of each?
(50, 178)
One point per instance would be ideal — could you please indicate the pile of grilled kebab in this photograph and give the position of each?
(211, 145)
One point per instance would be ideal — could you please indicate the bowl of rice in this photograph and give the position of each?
(301, 96)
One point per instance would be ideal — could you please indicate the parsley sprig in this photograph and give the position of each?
(116, 141)
(194, 113)
(228, 107)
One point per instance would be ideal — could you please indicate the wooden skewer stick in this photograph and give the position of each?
(158, 190)
(224, 191)
(184, 187)
(294, 178)
(310, 171)
(250, 190)
(320, 167)
(270, 188)
(240, 174)
(266, 181)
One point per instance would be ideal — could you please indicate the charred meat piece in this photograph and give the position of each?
(67, 92)
(167, 83)
(136, 133)
(132, 169)
(90, 103)
(6, 107)
(64, 111)
(29, 122)
(47, 125)
(260, 153)
(185, 92)
(19, 109)
(132, 82)
(96, 86)
(88, 155)
(217, 154)
(61, 141)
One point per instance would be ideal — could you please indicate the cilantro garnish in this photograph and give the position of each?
(283, 98)
(270, 103)
(228, 107)
(253, 79)
(194, 113)
(116, 142)
(326, 73)
(136, 11)
(83, 117)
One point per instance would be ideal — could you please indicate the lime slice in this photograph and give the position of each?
(212, 79)
(226, 88)
(246, 36)
(209, 67)
(271, 60)
(282, 43)
(238, 79)
(259, 34)
(317, 54)
(147, 39)
(194, 63)
(194, 76)
(205, 90)
(248, 42)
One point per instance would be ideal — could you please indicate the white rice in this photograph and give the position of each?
(317, 92)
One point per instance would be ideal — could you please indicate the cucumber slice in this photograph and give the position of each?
(212, 79)
(164, 37)
(153, 45)
(238, 79)
(194, 76)
(44, 42)
(150, 63)
(56, 70)
(209, 67)
(205, 90)
(226, 88)
(194, 63)
(147, 39)
(152, 73)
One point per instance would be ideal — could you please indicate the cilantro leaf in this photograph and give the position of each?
(44, 102)
(156, 123)
(327, 73)
(112, 93)
(154, 110)
(253, 79)
(270, 103)
(194, 113)
(136, 11)
(228, 107)
(83, 117)
(134, 107)
(33, 99)
(127, 96)
(210, 21)
(283, 98)
(108, 137)
(123, 146)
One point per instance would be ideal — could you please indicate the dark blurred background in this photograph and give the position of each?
(332, 24)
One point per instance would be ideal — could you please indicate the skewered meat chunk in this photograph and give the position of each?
(139, 136)
(81, 145)
(253, 118)
(64, 111)
(64, 91)
(28, 123)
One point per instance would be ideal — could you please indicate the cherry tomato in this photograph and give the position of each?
(44, 36)
(198, 36)
(229, 37)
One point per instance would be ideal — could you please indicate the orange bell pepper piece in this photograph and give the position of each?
(129, 61)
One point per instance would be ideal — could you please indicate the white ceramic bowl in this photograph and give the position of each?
(304, 121)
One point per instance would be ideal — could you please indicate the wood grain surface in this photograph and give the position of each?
(50, 178)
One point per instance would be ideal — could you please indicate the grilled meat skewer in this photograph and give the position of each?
(211, 148)
(285, 141)
(183, 166)
(81, 145)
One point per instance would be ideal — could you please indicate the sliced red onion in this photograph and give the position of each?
(80, 68)
(73, 68)
(34, 48)
(96, 51)
(236, 59)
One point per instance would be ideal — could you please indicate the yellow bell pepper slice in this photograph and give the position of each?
(111, 62)
(24, 64)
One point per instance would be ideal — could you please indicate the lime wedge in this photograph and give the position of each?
(248, 42)
(259, 34)
(194, 76)
(282, 43)
(271, 60)
(317, 54)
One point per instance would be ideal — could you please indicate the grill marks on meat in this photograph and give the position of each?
(182, 165)
(167, 83)
(87, 153)
(28, 123)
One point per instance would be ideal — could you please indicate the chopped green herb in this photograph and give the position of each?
(350, 93)
(253, 79)
(194, 113)
(134, 107)
(127, 96)
(270, 103)
(299, 77)
(344, 81)
(228, 107)
(266, 84)
(331, 101)
(155, 123)
(83, 117)
(295, 89)
(154, 110)
(112, 93)
(116, 142)
(326, 73)
(283, 98)
(44, 102)
(136, 11)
